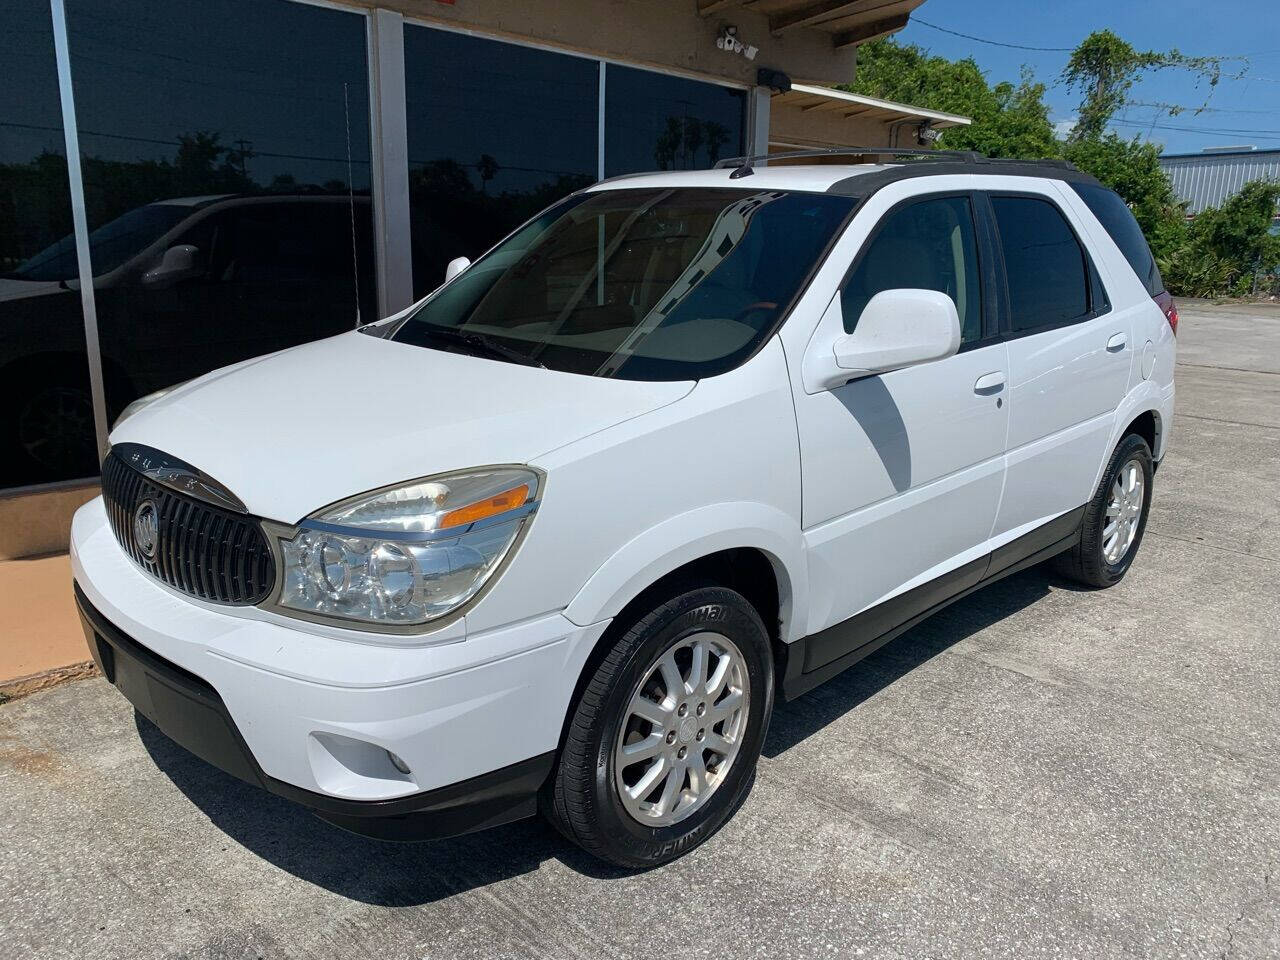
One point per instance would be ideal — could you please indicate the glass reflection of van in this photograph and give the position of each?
(181, 287)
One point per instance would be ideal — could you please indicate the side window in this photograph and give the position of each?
(927, 245)
(1047, 272)
(1118, 221)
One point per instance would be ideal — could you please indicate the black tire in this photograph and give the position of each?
(581, 799)
(1085, 561)
(48, 431)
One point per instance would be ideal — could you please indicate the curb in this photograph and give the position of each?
(24, 686)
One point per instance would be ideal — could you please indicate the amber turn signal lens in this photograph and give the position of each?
(489, 507)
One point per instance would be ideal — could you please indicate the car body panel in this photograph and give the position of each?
(732, 440)
(903, 472)
(1064, 384)
(301, 429)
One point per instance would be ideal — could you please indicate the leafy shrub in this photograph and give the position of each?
(1227, 247)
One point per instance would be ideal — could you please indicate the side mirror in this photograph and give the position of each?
(455, 267)
(180, 262)
(900, 328)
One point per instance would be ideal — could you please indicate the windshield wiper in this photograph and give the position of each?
(479, 344)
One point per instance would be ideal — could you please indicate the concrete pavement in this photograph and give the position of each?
(1039, 771)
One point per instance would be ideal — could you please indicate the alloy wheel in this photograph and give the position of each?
(682, 729)
(1124, 512)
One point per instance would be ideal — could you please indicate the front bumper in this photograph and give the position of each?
(312, 717)
(190, 712)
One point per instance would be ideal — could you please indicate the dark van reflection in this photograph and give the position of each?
(181, 287)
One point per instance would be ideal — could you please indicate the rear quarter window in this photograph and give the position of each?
(1117, 219)
(1045, 267)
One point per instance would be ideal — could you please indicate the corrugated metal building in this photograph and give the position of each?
(1207, 179)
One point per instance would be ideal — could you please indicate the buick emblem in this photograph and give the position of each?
(146, 529)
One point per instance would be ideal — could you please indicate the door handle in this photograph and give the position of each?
(1116, 343)
(989, 383)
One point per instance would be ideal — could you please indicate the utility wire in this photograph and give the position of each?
(994, 43)
(1183, 108)
(1210, 131)
(1023, 46)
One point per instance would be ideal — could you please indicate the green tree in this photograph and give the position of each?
(1132, 169)
(1009, 120)
(1104, 69)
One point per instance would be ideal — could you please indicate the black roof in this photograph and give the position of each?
(862, 184)
(925, 162)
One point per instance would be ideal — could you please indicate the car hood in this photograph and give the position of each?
(297, 430)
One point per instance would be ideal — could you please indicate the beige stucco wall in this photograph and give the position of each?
(33, 524)
(660, 33)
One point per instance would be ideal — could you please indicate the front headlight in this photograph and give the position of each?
(410, 554)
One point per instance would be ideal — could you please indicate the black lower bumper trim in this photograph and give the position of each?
(189, 711)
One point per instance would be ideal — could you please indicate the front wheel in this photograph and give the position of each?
(1115, 519)
(662, 746)
(48, 429)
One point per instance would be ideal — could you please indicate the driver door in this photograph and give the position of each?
(903, 472)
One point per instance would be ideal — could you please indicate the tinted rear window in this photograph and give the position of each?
(1045, 266)
(1115, 216)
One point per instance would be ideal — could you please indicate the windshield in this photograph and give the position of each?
(673, 284)
(109, 246)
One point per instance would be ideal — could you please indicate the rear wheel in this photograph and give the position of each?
(1114, 519)
(662, 747)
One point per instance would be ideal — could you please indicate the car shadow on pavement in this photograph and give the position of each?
(384, 873)
(395, 874)
(801, 718)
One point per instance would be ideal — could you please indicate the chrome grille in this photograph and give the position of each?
(199, 549)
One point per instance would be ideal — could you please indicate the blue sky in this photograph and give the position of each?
(1244, 110)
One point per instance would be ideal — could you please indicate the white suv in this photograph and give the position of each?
(556, 535)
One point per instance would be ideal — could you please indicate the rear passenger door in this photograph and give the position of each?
(1069, 359)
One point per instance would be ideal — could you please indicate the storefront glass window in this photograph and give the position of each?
(225, 148)
(46, 415)
(497, 131)
(655, 121)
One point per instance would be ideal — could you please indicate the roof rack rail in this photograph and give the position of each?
(744, 165)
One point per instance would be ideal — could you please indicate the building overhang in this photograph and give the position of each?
(811, 99)
(848, 22)
(814, 39)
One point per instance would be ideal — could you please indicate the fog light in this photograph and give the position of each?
(398, 763)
